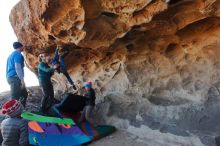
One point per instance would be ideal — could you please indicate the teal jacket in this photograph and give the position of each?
(45, 72)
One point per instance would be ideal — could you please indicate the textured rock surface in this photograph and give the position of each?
(154, 63)
(33, 100)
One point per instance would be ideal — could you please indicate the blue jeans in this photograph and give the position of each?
(17, 92)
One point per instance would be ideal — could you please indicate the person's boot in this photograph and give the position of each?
(74, 87)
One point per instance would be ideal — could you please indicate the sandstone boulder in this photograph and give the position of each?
(155, 64)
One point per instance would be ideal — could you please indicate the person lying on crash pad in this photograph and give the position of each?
(70, 103)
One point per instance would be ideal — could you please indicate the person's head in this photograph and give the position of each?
(43, 57)
(12, 108)
(18, 46)
(87, 85)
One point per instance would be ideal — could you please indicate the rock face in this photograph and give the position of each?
(155, 64)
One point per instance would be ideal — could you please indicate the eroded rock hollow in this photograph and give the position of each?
(155, 64)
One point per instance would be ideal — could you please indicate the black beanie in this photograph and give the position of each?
(17, 45)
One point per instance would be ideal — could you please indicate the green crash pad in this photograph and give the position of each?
(39, 118)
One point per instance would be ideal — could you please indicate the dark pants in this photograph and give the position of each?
(17, 92)
(66, 74)
(48, 96)
(70, 103)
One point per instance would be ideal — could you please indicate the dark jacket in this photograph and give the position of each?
(70, 103)
(90, 97)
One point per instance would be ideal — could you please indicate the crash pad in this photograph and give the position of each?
(52, 131)
(40, 118)
(52, 134)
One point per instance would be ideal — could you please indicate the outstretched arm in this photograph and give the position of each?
(46, 69)
(56, 53)
(55, 59)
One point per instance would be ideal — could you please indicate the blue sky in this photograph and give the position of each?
(7, 37)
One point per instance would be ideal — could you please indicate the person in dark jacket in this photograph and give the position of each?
(59, 59)
(90, 103)
(45, 73)
(69, 104)
(14, 129)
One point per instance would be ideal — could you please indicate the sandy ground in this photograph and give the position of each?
(119, 138)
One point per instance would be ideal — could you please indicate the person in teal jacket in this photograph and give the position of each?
(45, 73)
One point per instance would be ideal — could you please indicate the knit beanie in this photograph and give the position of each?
(87, 84)
(17, 45)
(12, 108)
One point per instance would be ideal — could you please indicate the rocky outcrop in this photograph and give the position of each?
(155, 64)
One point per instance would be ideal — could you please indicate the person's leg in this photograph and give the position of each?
(68, 77)
(88, 114)
(51, 99)
(15, 86)
(46, 95)
(23, 96)
(56, 110)
(82, 117)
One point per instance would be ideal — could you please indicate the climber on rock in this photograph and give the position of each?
(59, 59)
(44, 75)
